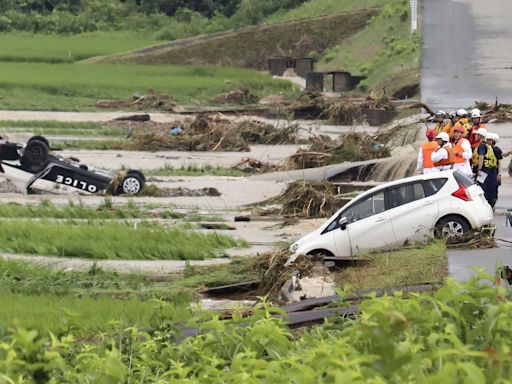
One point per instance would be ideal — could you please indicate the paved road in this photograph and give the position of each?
(466, 52)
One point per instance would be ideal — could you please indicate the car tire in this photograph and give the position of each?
(137, 173)
(451, 226)
(39, 138)
(35, 156)
(132, 184)
(318, 253)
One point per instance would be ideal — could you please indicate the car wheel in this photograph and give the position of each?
(318, 253)
(132, 184)
(137, 173)
(39, 138)
(451, 226)
(35, 156)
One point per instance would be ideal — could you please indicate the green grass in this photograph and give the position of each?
(83, 302)
(50, 127)
(104, 212)
(194, 170)
(24, 278)
(67, 313)
(68, 48)
(107, 240)
(42, 86)
(409, 266)
(316, 8)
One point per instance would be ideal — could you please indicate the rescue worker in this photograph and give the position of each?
(462, 152)
(476, 124)
(439, 119)
(463, 121)
(492, 139)
(452, 120)
(442, 157)
(485, 167)
(425, 164)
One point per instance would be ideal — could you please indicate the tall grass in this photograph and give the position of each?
(68, 313)
(101, 240)
(194, 170)
(68, 48)
(79, 86)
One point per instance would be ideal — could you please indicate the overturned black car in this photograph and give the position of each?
(34, 168)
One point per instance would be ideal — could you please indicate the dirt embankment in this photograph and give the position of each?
(250, 47)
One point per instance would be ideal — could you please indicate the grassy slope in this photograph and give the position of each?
(385, 51)
(251, 47)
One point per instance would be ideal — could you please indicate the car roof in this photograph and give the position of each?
(405, 180)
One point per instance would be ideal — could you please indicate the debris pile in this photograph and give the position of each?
(324, 151)
(241, 95)
(152, 100)
(155, 191)
(497, 112)
(309, 199)
(343, 110)
(209, 133)
(274, 273)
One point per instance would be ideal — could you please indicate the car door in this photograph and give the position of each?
(413, 211)
(368, 225)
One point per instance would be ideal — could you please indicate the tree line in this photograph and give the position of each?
(76, 16)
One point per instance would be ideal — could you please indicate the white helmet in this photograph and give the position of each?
(476, 113)
(452, 114)
(475, 110)
(443, 136)
(440, 113)
(492, 136)
(481, 132)
(462, 112)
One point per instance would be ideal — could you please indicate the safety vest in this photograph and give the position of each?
(457, 151)
(439, 127)
(427, 150)
(448, 128)
(447, 161)
(490, 159)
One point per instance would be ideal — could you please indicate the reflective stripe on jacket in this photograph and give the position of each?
(490, 160)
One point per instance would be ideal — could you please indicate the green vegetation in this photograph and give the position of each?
(409, 266)
(77, 315)
(385, 51)
(107, 240)
(44, 86)
(317, 8)
(194, 170)
(48, 128)
(84, 302)
(68, 48)
(460, 334)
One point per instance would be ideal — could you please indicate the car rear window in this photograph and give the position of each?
(433, 186)
(462, 179)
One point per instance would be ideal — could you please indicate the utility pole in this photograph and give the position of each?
(414, 15)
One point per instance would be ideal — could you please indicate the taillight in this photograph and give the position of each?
(462, 193)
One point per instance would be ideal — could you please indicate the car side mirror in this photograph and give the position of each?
(343, 223)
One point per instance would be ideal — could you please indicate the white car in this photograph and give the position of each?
(402, 211)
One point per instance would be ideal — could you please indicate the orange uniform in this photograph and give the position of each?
(428, 149)
(447, 161)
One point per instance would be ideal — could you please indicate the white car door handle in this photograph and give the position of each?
(427, 203)
(380, 219)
